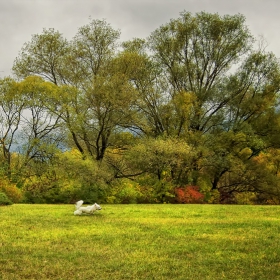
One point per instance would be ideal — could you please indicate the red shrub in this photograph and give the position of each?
(189, 194)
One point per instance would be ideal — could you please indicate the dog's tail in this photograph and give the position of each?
(79, 204)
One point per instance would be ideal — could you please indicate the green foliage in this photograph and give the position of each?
(68, 179)
(125, 191)
(44, 52)
(4, 200)
(195, 104)
(149, 191)
(246, 198)
(165, 158)
(163, 191)
(205, 187)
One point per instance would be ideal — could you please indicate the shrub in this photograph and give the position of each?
(148, 194)
(189, 194)
(205, 187)
(245, 198)
(4, 200)
(11, 191)
(94, 192)
(154, 190)
(125, 191)
(164, 191)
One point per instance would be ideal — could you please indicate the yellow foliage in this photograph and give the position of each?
(246, 198)
(73, 153)
(13, 193)
(184, 101)
(245, 153)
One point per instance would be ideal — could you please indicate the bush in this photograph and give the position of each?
(94, 192)
(189, 194)
(11, 191)
(4, 200)
(205, 187)
(125, 191)
(164, 191)
(154, 190)
(148, 194)
(245, 198)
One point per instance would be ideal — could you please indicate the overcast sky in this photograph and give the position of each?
(20, 19)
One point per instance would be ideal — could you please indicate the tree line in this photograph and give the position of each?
(193, 107)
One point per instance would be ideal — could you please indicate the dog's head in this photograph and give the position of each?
(98, 207)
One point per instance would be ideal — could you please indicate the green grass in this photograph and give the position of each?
(140, 242)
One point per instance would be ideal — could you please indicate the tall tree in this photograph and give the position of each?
(95, 95)
(218, 88)
(43, 56)
(196, 53)
(41, 130)
(11, 107)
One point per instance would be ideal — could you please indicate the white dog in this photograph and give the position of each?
(88, 209)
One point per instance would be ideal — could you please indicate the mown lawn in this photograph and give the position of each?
(140, 242)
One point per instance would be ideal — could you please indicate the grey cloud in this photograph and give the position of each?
(19, 19)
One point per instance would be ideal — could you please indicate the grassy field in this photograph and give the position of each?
(140, 242)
